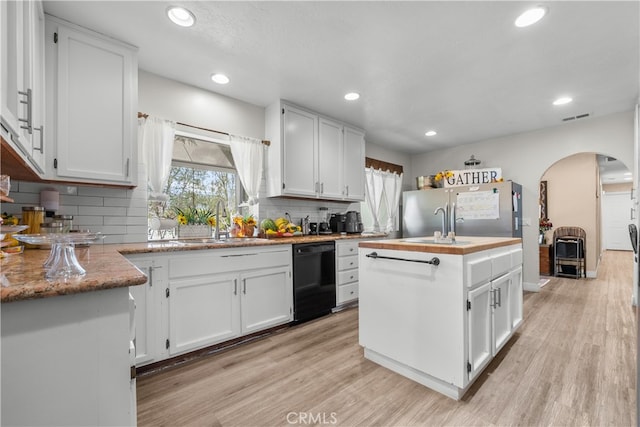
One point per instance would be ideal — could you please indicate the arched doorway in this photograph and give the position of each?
(590, 191)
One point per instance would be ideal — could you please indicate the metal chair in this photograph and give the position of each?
(569, 252)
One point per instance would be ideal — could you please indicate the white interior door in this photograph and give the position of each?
(616, 217)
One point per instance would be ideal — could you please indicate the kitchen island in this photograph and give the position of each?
(439, 313)
(66, 344)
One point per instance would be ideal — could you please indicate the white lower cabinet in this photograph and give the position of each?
(149, 306)
(347, 273)
(480, 337)
(203, 311)
(494, 309)
(195, 299)
(266, 298)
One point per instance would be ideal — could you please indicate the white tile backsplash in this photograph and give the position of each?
(120, 213)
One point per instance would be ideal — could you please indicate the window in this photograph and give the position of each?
(202, 173)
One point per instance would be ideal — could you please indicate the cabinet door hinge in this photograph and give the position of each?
(468, 366)
(55, 163)
(55, 37)
(166, 293)
(283, 185)
(283, 111)
(166, 344)
(290, 310)
(468, 305)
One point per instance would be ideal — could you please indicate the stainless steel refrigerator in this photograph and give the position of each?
(473, 210)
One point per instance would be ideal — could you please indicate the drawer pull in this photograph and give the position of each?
(351, 263)
(350, 277)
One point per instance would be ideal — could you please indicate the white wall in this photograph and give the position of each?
(172, 100)
(525, 157)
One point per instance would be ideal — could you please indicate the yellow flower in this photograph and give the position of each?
(211, 221)
(182, 220)
(443, 174)
(237, 220)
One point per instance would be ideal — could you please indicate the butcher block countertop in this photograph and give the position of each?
(464, 244)
(22, 275)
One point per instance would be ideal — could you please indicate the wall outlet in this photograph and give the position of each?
(526, 222)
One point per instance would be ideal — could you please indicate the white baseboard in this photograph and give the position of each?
(531, 287)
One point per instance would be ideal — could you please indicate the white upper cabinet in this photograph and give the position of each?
(353, 164)
(22, 93)
(299, 152)
(95, 81)
(329, 159)
(312, 156)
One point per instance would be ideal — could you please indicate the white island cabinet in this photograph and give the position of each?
(438, 314)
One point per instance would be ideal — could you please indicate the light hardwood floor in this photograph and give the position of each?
(572, 363)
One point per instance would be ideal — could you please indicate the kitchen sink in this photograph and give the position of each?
(210, 240)
(438, 242)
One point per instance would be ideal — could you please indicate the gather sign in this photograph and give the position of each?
(473, 177)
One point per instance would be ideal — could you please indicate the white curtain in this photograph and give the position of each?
(155, 137)
(392, 190)
(374, 186)
(248, 156)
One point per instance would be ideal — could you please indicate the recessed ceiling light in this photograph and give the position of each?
(562, 100)
(431, 133)
(627, 178)
(352, 96)
(628, 174)
(221, 79)
(181, 16)
(531, 16)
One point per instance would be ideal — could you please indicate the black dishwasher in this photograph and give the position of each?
(314, 280)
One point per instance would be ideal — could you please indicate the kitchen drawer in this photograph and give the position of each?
(196, 263)
(500, 262)
(478, 271)
(347, 262)
(347, 293)
(347, 276)
(347, 248)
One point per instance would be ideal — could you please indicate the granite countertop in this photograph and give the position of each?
(194, 244)
(22, 275)
(464, 244)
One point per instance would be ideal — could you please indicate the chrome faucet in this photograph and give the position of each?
(216, 234)
(441, 210)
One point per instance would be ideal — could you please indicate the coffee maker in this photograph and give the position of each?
(353, 222)
(338, 223)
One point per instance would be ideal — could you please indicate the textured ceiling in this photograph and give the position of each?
(461, 68)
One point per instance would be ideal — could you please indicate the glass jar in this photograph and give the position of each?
(32, 216)
(66, 220)
(51, 227)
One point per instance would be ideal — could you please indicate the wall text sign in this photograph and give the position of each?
(473, 177)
